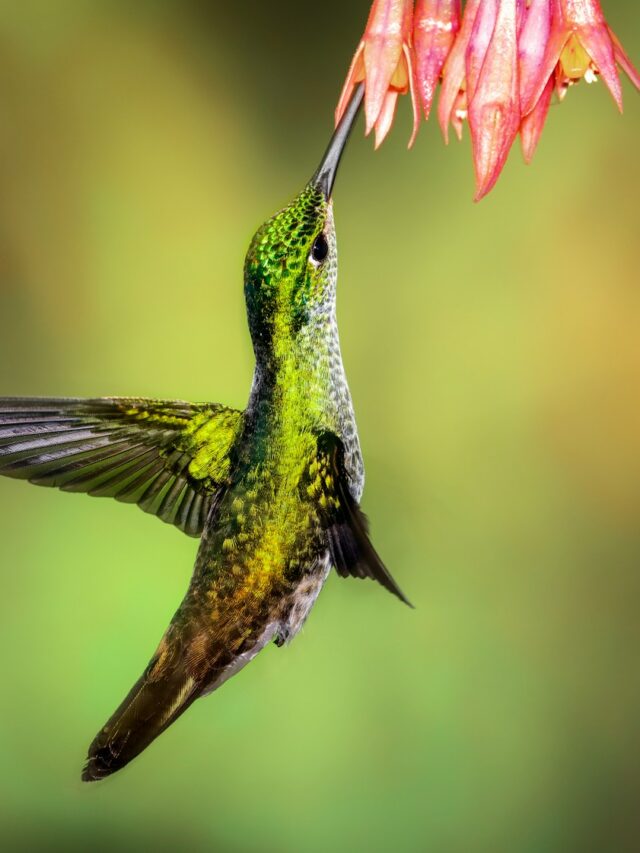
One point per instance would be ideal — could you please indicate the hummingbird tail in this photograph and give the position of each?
(155, 701)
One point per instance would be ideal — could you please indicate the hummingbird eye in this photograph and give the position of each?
(320, 249)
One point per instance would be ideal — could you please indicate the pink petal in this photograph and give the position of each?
(623, 60)
(414, 95)
(385, 117)
(558, 36)
(435, 24)
(453, 73)
(483, 28)
(582, 13)
(355, 75)
(532, 124)
(532, 44)
(494, 110)
(386, 29)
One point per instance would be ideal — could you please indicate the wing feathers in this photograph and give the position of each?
(135, 450)
(346, 525)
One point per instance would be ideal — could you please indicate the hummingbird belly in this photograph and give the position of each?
(294, 611)
(262, 562)
(301, 600)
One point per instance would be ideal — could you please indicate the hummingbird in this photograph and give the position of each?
(272, 492)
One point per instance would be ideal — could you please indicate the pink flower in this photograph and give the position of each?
(532, 44)
(499, 66)
(580, 44)
(452, 107)
(492, 90)
(384, 60)
(435, 26)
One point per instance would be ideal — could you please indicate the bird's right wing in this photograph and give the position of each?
(169, 457)
(345, 524)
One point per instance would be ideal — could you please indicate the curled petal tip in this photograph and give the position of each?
(414, 96)
(412, 138)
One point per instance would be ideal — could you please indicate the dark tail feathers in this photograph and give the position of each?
(155, 701)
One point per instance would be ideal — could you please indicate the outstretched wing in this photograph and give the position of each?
(346, 525)
(169, 457)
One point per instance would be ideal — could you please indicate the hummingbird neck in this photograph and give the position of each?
(295, 370)
(301, 388)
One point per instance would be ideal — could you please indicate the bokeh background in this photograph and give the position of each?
(493, 352)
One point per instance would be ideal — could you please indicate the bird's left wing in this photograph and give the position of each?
(345, 524)
(169, 457)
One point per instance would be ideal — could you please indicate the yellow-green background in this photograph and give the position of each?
(493, 352)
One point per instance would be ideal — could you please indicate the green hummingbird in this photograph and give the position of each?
(272, 492)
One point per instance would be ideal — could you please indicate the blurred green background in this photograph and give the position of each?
(493, 352)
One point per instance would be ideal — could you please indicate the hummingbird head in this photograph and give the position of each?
(291, 267)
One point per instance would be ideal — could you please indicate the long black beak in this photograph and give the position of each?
(325, 175)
